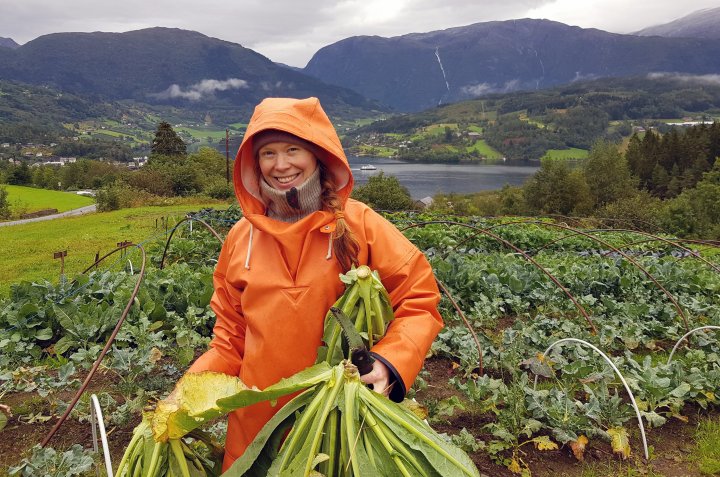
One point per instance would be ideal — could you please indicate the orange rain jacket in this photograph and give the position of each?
(275, 281)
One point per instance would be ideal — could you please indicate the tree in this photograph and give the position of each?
(607, 174)
(167, 142)
(384, 193)
(4, 203)
(557, 189)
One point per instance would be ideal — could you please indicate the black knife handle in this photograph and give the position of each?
(362, 359)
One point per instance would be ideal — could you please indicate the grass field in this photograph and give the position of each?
(29, 199)
(572, 153)
(27, 251)
(484, 149)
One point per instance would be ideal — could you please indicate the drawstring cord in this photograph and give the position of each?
(249, 248)
(247, 258)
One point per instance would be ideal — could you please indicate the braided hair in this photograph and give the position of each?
(345, 245)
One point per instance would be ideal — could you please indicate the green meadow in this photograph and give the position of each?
(572, 153)
(29, 199)
(27, 251)
(484, 149)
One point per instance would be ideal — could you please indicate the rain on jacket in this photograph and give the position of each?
(275, 281)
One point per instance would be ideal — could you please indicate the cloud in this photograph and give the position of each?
(583, 77)
(478, 89)
(686, 78)
(198, 90)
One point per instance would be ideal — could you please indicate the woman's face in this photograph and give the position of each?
(285, 165)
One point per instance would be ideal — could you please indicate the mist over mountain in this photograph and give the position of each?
(701, 24)
(421, 70)
(164, 65)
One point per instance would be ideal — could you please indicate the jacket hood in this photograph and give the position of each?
(304, 118)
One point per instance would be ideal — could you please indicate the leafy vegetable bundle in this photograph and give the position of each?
(335, 427)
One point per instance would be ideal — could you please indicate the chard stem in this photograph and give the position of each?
(179, 455)
(330, 442)
(337, 384)
(402, 421)
(372, 423)
(131, 448)
(288, 448)
(151, 468)
(400, 447)
(350, 418)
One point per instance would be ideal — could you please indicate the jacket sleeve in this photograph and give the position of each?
(227, 347)
(414, 295)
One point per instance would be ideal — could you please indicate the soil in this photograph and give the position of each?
(671, 444)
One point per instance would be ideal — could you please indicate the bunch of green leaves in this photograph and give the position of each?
(47, 462)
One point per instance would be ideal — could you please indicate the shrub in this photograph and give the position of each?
(384, 193)
(4, 204)
(219, 189)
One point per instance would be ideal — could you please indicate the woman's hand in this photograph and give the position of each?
(379, 378)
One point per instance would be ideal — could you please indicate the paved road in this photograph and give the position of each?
(81, 211)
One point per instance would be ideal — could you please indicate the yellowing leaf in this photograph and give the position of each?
(681, 417)
(544, 443)
(514, 466)
(710, 395)
(416, 408)
(155, 355)
(193, 402)
(619, 441)
(578, 447)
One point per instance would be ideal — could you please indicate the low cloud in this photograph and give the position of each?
(686, 78)
(583, 77)
(478, 89)
(205, 87)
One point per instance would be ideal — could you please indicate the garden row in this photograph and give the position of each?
(521, 286)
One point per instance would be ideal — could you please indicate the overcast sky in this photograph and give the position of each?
(291, 31)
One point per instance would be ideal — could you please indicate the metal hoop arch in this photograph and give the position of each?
(619, 374)
(110, 340)
(710, 327)
(167, 243)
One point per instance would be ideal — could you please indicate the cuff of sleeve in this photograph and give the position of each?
(398, 391)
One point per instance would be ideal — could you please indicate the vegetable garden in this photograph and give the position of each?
(557, 338)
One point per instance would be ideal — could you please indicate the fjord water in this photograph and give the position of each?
(428, 179)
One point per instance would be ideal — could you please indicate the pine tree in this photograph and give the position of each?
(167, 142)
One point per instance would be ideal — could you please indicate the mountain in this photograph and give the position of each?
(8, 43)
(700, 24)
(166, 66)
(568, 119)
(422, 70)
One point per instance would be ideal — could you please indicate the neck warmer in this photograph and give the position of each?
(296, 203)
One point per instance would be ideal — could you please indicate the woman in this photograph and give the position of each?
(277, 274)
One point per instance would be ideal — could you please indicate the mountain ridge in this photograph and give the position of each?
(167, 66)
(420, 70)
(703, 23)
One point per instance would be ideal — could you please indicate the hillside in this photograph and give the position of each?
(168, 67)
(422, 70)
(701, 24)
(8, 43)
(563, 121)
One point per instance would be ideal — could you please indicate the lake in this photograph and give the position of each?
(428, 179)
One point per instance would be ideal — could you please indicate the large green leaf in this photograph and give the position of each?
(257, 458)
